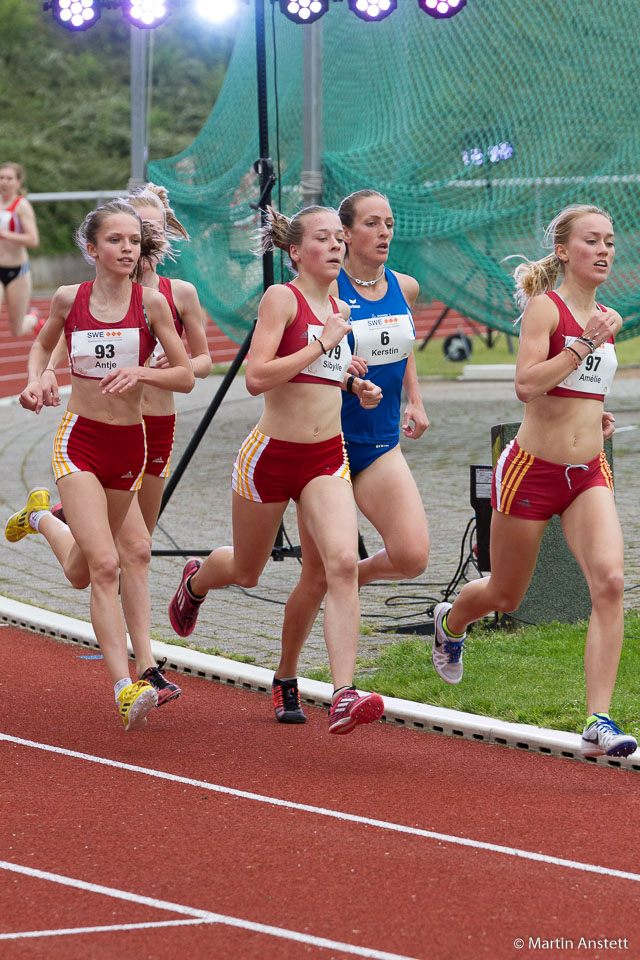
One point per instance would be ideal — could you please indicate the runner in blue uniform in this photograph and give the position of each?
(383, 334)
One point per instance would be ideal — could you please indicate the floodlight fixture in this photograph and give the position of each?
(304, 11)
(372, 9)
(74, 14)
(145, 14)
(441, 9)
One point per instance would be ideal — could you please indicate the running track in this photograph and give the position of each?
(217, 833)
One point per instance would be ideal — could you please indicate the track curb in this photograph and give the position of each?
(404, 713)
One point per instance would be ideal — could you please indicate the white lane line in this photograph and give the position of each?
(335, 814)
(205, 916)
(114, 928)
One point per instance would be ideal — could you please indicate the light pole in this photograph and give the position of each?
(138, 94)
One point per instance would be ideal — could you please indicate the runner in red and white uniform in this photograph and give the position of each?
(299, 359)
(556, 465)
(111, 326)
(18, 233)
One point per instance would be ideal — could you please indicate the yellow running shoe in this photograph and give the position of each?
(135, 702)
(18, 525)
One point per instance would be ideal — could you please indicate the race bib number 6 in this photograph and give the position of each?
(385, 339)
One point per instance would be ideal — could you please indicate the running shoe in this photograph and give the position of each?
(286, 701)
(18, 525)
(604, 737)
(446, 655)
(352, 709)
(184, 608)
(164, 688)
(58, 512)
(38, 322)
(135, 702)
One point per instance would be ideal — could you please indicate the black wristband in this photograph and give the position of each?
(318, 340)
(349, 386)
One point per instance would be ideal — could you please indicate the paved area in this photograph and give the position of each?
(247, 623)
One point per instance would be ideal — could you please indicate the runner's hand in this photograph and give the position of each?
(31, 397)
(369, 394)
(49, 384)
(357, 367)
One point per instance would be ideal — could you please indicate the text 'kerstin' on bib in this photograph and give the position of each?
(383, 339)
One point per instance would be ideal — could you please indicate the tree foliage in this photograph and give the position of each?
(66, 101)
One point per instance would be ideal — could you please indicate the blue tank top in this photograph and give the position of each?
(381, 425)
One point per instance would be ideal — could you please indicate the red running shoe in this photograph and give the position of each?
(164, 688)
(350, 710)
(184, 608)
(58, 512)
(286, 701)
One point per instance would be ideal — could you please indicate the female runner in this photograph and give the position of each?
(556, 464)
(110, 326)
(298, 360)
(381, 302)
(159, 413)
(18, 233)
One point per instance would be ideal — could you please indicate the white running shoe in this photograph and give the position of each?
(446, 655)
(603, 737)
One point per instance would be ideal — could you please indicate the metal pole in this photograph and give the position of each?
(312, 114)
(138, 83)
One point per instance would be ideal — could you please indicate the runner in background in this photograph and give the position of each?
(110, 326)
(299, 359)
(556, 464)
(383, 335)
(18, 233)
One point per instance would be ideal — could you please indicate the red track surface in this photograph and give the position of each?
(304, 872)
(14, 350)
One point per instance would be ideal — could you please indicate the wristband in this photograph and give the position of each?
(587, 342)
(319, 341)
(349, 386)
(578, 359)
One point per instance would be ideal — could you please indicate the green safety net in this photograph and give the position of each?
(479, 129)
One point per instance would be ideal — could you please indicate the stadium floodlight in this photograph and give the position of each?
(216, 11)
(145, 14)
(75, 14)
(304, 11)
(441, 8)
(372, 9)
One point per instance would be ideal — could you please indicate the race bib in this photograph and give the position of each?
(158, 350)
(5, 219)
(331, 365)
(95, 352)
(383, 339)
(596, 372)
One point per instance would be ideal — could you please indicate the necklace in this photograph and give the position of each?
(363, 283)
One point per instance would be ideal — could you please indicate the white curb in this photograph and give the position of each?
(407, 713)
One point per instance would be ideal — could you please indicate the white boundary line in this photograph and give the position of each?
(332, 814)
(417, 716)
(199, 916)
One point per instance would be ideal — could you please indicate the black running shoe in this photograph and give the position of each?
(286, 701)
(164, 688)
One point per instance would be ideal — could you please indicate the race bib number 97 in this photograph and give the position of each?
(331, 365)
(95, 353)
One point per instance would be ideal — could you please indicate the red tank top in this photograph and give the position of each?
(102, 352)
(295, 336)
(568, 326)
(167, 292)
(13, 224)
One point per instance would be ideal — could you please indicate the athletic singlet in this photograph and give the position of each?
(329, 368)
(167, 293)
(596, 372)
(9, 219)
(95, 348)
(381, 424)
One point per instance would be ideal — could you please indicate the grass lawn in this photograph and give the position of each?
(526, 675)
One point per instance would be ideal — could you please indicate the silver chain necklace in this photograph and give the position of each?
(363, 283)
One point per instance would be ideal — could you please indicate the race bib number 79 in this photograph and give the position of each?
(331, 365)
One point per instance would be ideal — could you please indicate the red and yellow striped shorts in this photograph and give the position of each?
(533, 489)
(272, 471)
(114, 453)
